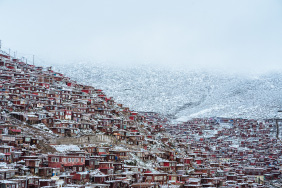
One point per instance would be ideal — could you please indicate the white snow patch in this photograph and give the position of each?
(43, 127)
(64, 148)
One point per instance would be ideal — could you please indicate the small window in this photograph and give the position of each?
(149, 177)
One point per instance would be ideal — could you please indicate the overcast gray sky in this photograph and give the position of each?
(229, 34)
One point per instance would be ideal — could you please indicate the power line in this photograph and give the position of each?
(24, 56)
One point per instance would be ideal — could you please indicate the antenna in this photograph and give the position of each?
(33, 59)
(0, 44)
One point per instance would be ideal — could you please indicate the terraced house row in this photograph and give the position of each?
(55, 132)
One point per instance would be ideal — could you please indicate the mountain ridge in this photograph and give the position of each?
(185, 94)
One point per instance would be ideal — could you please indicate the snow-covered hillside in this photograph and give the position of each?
(184, 94)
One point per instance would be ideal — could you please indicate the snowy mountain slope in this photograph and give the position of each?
(184, 94)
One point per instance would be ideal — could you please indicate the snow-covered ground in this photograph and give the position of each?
(43, 127)
(184, 94)
(64, 148)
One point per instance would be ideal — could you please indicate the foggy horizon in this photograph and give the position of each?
(235, 36)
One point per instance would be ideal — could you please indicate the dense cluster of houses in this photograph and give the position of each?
(232, 152)
(40, 106)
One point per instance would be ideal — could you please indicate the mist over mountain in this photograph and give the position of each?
(184, 94)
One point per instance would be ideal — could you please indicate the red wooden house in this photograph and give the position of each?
(64, 162)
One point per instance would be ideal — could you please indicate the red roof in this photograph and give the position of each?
(16, 130)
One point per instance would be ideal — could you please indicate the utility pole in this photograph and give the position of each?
(277, 120)
(277, 129)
